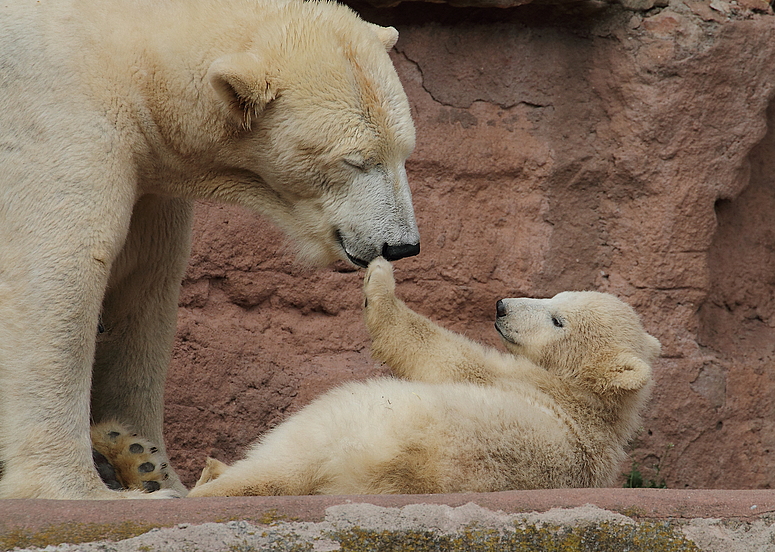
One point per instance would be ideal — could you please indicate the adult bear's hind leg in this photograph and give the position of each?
(138, 321)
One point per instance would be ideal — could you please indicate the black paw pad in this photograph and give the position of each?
(137, 448)
(106, 471)
(151, 486)
(146, 467)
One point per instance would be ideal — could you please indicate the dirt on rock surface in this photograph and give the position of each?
(430, 522)
(362, 527)
(618, 150)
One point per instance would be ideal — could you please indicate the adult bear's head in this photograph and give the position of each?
(322, 129)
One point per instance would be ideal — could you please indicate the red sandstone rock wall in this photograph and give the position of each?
(558, 149)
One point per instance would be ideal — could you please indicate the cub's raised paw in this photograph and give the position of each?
(378, 282)
(126, 460)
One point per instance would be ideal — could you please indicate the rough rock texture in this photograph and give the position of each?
(596, 4)
(458, 3)
(571, 520)
(601, 149)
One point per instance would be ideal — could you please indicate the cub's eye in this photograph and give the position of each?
(557, 322)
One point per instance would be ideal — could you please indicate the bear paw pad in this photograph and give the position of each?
(126, 461)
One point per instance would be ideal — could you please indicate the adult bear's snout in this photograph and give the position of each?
(395, 252)
(500, 309)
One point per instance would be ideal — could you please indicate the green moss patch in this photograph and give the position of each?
(604, 537)
(73, 533)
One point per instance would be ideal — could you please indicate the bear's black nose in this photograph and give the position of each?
(395, 252)
(500, 309)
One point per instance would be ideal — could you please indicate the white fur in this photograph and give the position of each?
(555, 413)
(114, 115)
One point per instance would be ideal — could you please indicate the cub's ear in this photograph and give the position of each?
(241, 82)
(629, 373)
(653, 347)
(387, 35)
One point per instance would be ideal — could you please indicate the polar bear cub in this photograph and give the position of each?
(460, 417)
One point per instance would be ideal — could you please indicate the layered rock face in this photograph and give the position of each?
(559, 147)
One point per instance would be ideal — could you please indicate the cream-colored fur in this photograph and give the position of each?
(213, 470)
(556, 412)
(114, 115)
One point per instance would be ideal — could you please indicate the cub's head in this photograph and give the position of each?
(321, 131)
(592, 338)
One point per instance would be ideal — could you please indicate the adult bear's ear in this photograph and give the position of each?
(241, 82)
(387, 35)
(629, 373)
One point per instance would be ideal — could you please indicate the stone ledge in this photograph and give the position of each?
(696, 518)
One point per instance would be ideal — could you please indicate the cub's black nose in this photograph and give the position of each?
(500, 309)
(395, 252)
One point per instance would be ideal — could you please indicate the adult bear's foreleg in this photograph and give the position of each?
(58, 246)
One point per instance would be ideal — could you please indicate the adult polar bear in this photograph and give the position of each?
(114, 116)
